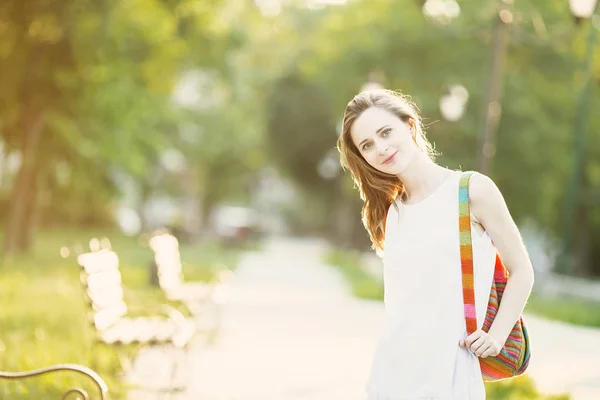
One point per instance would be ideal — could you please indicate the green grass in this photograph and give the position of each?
(43, 316)
(367, 287)
(570, 310)
(363, 284)
(574, 311)
(520, 388)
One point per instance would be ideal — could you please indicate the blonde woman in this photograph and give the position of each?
(411, 214)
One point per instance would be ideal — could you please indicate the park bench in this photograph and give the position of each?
(110, 316)
(102, 389)
(199, 297)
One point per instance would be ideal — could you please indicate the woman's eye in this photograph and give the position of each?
(367, 146)
(386, 133)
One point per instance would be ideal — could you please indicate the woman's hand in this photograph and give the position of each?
(481, 344)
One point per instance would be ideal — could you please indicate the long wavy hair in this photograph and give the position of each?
(378, 190)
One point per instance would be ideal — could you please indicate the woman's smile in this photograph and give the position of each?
(391, 158)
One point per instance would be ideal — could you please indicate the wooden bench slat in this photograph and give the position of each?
(170, 272)
(109, 316)
(147, 330)
(102, 280)
(96, 261)
(107, 297)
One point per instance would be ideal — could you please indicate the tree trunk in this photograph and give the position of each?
(30, 213)
(583, 248)
(23, 200)
(146, 192)
(208, 197)
(207, 204)
(344, 219)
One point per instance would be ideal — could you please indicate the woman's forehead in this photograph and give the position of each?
(370, 121)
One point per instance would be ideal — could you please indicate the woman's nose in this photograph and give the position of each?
(381, 148)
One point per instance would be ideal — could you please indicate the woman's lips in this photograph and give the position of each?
(390, 158)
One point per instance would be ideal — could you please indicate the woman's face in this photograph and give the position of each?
(384, 140)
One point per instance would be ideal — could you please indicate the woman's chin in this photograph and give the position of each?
(390, 170)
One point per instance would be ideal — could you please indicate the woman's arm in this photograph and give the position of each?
(488, 205)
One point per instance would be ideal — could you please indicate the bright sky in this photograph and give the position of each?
(272, 8)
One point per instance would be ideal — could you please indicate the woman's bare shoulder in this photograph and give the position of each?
(486, 199)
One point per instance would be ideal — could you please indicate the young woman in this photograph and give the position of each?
(411, 214)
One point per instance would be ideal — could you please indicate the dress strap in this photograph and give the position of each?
(466, 252)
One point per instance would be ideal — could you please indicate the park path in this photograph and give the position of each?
(291, 330)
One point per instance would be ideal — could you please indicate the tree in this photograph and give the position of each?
(88, 83)
(345, 45)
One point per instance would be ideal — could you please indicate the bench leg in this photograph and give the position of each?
(179, 369)
(121, 353)
(125, 361)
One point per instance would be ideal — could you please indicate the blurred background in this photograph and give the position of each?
(217, 120)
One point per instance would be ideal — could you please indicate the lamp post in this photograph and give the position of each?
(443, 12)
(437, 11)
(492, 108)
(581, 9)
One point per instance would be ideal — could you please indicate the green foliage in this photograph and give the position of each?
(46, 321)
(300, 129)
(520, 388)
(395, 44)
(99, 76)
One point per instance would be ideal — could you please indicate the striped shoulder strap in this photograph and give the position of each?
(466, 252)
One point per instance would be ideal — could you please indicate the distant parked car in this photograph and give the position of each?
(235, 224)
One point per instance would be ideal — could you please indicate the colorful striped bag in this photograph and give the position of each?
(514, 356)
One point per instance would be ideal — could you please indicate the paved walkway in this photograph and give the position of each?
(565, 358)
(292, 331)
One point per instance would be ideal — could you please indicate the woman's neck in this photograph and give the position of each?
(421, 178)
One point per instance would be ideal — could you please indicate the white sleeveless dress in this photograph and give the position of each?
(418, 356)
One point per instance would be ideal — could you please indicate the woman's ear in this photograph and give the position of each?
(413, 129)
